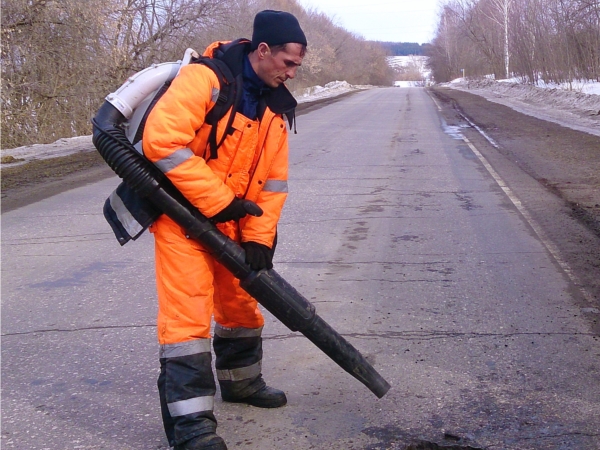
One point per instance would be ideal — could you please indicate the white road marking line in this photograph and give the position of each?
(435, 101)
(536, 228)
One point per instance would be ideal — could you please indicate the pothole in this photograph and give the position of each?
(393, 436)
(425, 445)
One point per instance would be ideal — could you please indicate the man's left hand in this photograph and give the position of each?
(258, 256)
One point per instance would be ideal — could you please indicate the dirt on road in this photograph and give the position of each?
(563, 162)
(29, 183)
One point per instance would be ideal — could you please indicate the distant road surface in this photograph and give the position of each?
(464, 267)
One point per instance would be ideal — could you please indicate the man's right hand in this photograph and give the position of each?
(236, 210)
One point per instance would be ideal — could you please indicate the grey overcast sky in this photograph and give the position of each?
(383, 20)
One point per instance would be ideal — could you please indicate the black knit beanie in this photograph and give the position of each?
(275, 28)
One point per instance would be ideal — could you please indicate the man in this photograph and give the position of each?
(243, 191)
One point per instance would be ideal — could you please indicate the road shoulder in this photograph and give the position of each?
(555, 173)
(41, 179)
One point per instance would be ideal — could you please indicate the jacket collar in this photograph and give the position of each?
(279, 100)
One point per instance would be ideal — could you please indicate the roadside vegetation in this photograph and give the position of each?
(405, 48)
(556, 41)
(60, 58)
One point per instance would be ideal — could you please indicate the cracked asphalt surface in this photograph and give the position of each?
(406, 245)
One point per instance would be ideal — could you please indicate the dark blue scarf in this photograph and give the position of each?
(254, 87)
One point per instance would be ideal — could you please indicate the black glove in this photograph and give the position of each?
(258, 256)
(236, 210)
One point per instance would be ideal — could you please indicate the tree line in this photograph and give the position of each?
(60, 58)
(550, 40)
(404, 48)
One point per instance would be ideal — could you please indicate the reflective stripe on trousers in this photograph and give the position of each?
(187, 389)
(238, 360)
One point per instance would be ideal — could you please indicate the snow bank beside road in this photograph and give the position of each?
(332, 89)
(571, 109)
(62, 147)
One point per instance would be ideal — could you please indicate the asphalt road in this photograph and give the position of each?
(413, 243)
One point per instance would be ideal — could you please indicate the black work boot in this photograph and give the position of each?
(267, 397)
(238, 362)
(208, 441)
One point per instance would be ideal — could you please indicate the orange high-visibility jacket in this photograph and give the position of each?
(252, 162)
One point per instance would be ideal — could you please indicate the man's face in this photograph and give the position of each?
(276, 68)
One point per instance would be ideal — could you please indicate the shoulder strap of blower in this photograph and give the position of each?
(230, 94)
(230, 90)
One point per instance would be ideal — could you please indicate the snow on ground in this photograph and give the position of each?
(62, 147)
(409, 83)
(415, 62)
(585, 87)
(331, 89)
(578, 108)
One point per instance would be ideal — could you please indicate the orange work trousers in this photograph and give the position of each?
(192, 286)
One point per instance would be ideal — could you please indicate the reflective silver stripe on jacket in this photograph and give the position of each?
(191, 405)
(132, 226)
(185, 348)
(241, 332)
(276, 186)
(242, 373)
(174, 159)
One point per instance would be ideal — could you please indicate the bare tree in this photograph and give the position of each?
(61, 57)
(499, 13)
(49, 55)
(555, 40)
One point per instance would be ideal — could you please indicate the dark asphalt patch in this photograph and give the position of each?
(394, 437)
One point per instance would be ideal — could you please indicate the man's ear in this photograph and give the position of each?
(263, 49)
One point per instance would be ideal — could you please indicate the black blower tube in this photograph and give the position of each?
(266, 286)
